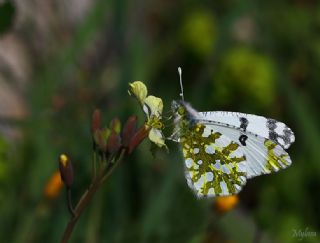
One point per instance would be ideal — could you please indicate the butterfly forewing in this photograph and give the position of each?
(215, 165)
(263, 156)
(264, 127)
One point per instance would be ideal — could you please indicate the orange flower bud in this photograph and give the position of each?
(227, 203)
(53, 186)
(129, 130)
(66, 170)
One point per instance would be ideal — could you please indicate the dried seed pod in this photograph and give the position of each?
(66, 170)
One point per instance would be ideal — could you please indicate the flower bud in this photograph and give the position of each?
(97, 138)
(227, 203)
(53, 186)
(96, 121)
(66, 170)
(137, 138)
(139, 90)
(129, 130)
(101, 137)
(115, 125)
(114, 143)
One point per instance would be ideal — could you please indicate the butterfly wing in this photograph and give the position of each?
(271, 129)
(214, 165)
(263, 154)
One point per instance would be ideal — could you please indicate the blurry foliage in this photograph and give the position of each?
(4, 166)
(198, 33)
(256, 57)
(7, 13)
(246, 78)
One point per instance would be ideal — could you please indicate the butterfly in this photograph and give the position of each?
(222, 150)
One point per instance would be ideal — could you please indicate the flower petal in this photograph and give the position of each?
(154, 104)
(139, 90)
(155, 136)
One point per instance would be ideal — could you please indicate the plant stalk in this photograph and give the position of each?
(86, 198)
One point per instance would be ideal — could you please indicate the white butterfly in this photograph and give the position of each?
(223, 149)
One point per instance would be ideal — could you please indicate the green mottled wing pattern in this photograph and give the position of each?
(263, 156)
(215, 165)
(276, 157)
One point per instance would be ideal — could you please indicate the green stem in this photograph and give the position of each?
(83, 202)
(87, 197)
(111, 169)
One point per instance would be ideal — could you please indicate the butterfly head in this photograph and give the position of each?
(178, 108)
(181, 121)
(182, 110)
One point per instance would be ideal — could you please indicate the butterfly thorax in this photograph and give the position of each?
(187, 125)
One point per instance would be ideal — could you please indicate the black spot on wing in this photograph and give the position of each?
(287, 135)
(274, 136)
(243, 138)
(243, 123)
(271, 124)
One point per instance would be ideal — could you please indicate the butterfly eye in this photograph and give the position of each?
(181, 111)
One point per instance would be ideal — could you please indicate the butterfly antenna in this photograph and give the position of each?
(181, 86)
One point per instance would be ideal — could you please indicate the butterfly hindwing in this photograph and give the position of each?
(214, 165)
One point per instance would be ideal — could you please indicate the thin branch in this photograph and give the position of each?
(88, 195)
(94, 166)
(69, 200)
(111, 169)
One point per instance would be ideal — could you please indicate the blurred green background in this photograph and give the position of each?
(61, 59)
